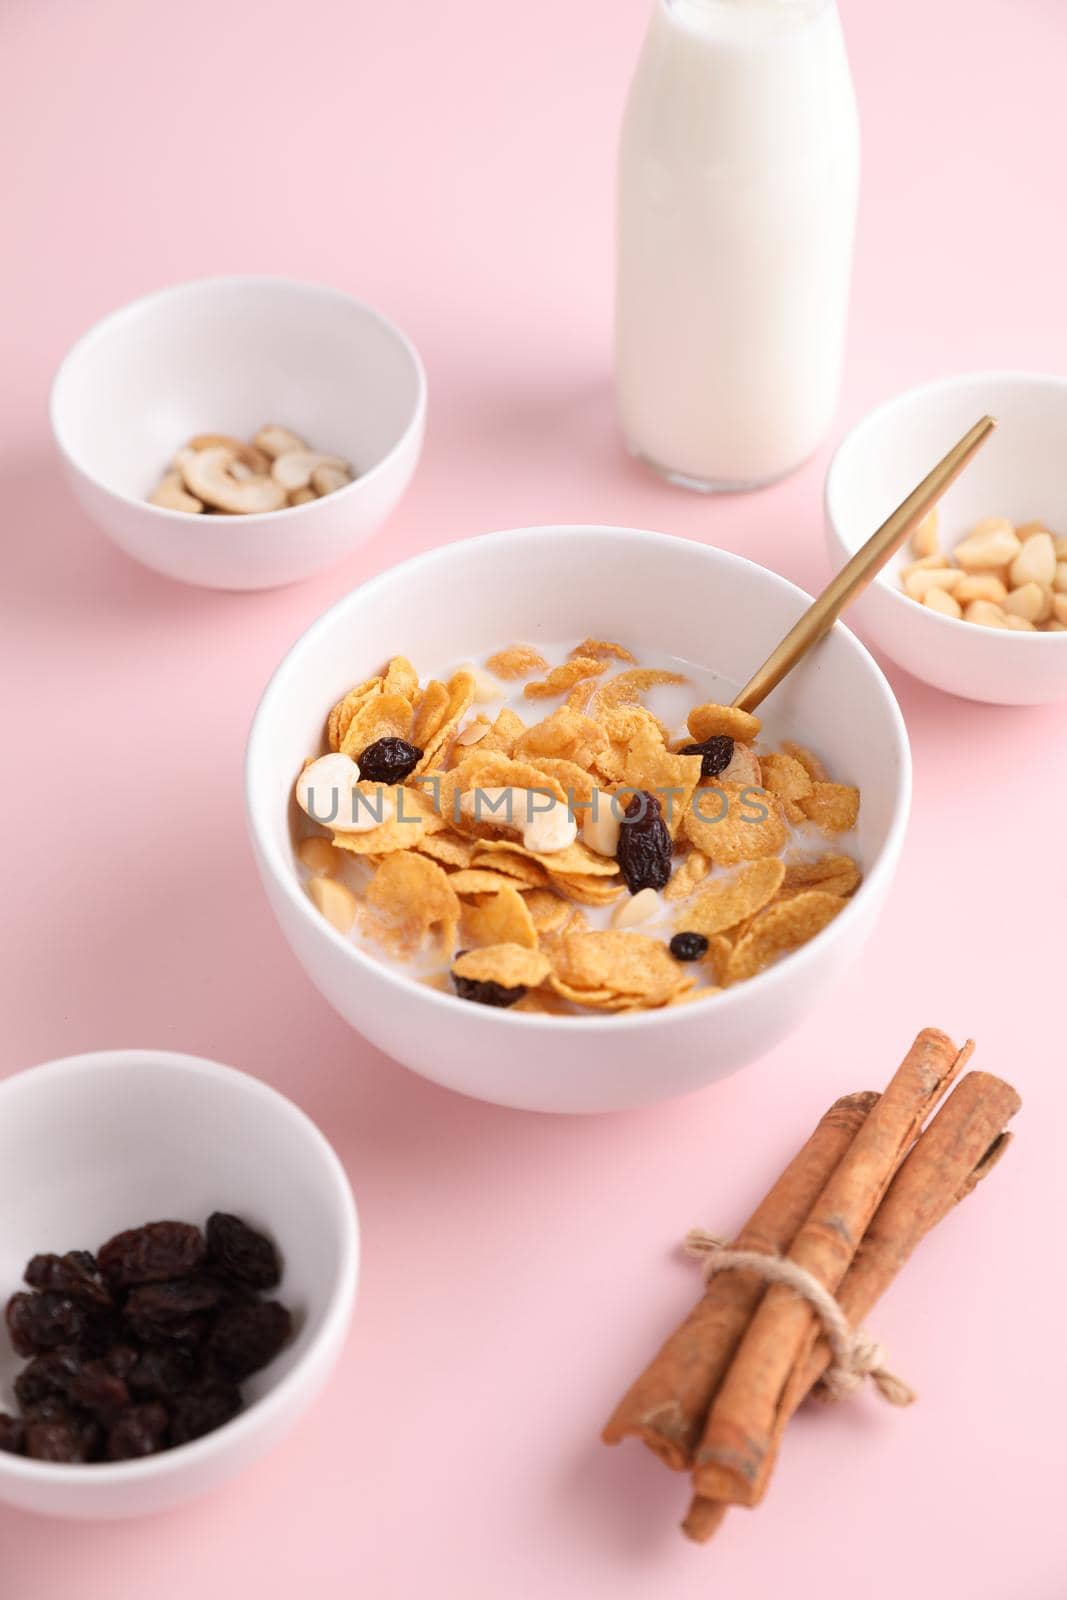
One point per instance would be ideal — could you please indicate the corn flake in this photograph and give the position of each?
(710, 720)
(727, 902)
(734, 822)
(548, 912)
(564, 677)
(407, 817)
(833, 807)
(832, 874)
(502, 918)
(505, 733)
(566, 735)
(380, 716)
(692, 869)
(410, 901)
(401, 678)
(460, 688)
(513, 966)
(811, 763)
(517, 661)
(479, 881)
(346, 708)
(602, 647)
(628, 687)
(621, 963)
(529, 873)
(784, 926)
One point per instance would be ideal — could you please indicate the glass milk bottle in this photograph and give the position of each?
(738, 183)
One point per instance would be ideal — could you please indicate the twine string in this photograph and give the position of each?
(854, 1354)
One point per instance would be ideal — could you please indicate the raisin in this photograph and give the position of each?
(688, 946)
(388, 761)
(70, 1438)
(42, 1321)
(171, 1310)
(236, 1250)
(644, 848)
(121, 1359)
(73, 1274)
(12, 1434)
(487, 994)
(193, 1415)
(141, 1431)
(718, 752)
(152, 1254)
(97, 1390)
(163, 1371)
(245, 1338)
(143, 1346)
(46, 1377)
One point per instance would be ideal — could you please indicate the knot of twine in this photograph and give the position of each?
(855, 1355)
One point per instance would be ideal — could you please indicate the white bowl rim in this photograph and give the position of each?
(399, 983)
(336, 1314)
(105, 324)
(962, 380)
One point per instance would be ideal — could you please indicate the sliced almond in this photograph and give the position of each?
(940, 600)
(320, 856)
(336, 902)
(980, 586)
(924, 539)
(641, 907)
(985, 613)
(992, 544)
(919, 584)
(1030, 601)
(1035, 562)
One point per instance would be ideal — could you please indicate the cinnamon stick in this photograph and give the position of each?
(960, 1147)
(668, 1404)
(743, 1422)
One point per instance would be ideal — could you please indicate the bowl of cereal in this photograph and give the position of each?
(178, 1266)
(522, 842)
(976, 604)
(240, 433)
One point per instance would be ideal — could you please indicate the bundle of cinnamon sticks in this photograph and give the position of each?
(849, 1210)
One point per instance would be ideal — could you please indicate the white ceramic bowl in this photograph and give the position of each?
(226, 355)
(1018, 474)
(98, 1143)
(546, 585)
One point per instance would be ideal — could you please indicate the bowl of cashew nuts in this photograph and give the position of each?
(240, 433)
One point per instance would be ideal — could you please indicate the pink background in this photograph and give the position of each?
(453, 163)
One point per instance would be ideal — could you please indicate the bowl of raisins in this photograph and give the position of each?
(178, 1268)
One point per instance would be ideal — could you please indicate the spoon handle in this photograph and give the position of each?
(854, 577)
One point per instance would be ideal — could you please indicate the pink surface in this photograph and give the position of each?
(454, 165)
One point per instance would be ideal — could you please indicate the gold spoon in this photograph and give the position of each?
(854, 577)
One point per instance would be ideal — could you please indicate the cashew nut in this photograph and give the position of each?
(257, 460)
(275, 440)
(293, 470)
(207, 475)
(328, 479)
(300, 497)
(170, 492)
